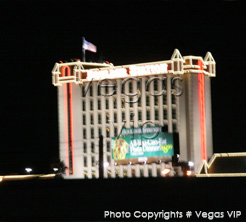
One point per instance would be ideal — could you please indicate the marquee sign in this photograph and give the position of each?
(126, 72)
(138, 146)
(79, 72)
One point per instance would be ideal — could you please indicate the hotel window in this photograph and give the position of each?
(107, 132)
(146, 85)
(108, 159)
(115, 118)
(83, 91)
(109, 174)
(139, 85)
(132, 116)
(130, 87)
(139, 101)
(92, 120)
(107, 104)
(139, 115)
(106, 89)
(98, 90)
(92, 133)
(174, 127)
(99, 131)
(123, 116)
(164, 99)
(123, 103)
(92, 147)
(148, 115)
(86, 174)
(91, 105)
(93, 162)
(122, 88)
(164, 114)
(174, 114)
(99, 118)
(156, 115)
(158, 172)
(115, 131)
(99, 104)
(173, 99)
(155, 84)
(108, 146)
(85, 147)
(125, 173)
(84, 133)
(156, 100)
(84, 119)
(93, 174)
(85, 161)
(83, 105)
(107, 118)
(91, 90)
(141, 173)
(131, 102)
(150, 173)
(133, 173)
(147, 100)
(115, 103)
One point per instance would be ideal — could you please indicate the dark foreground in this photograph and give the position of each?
(83, 200)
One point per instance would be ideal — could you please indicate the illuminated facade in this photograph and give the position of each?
(174, 94)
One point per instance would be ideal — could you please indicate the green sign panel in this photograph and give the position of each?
(142, 145)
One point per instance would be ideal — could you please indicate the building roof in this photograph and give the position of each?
(224, 164)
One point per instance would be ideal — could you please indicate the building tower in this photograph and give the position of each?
(93, 100)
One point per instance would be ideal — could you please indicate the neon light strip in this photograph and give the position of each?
(71, 121)
(66, 120)
(202, 112)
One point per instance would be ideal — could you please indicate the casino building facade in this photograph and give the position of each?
(99, 99)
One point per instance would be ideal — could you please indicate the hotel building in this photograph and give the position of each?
(98, 99)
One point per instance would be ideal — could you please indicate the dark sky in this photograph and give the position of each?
(36, 34)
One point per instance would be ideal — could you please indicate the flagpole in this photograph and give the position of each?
(83, 49)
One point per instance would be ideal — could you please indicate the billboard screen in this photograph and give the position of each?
(137, 145)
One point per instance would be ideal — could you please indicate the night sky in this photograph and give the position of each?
(37, 34)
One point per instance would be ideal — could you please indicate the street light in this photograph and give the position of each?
(55, 169)
(191, 164)
(105, 164)
(28, 170)
(188, 172)
(166, 171)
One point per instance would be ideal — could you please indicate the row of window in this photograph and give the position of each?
(92, 146)
(110, 89)
(131, 101)
(133, 173)
(94, 161)
(131, 116)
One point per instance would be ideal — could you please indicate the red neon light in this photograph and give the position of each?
(66, 121)
(63, 71)
(202, 112)
(71, 120)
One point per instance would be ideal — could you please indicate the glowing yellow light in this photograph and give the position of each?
(1, 179)
(165, 171)
(188, 172)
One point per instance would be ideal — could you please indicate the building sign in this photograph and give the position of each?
(141, 130)
(131, 71)
(142, 145)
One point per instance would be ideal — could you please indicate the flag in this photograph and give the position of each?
(89, 46)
